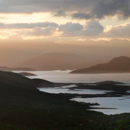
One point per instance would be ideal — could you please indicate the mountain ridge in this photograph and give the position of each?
(116, 65)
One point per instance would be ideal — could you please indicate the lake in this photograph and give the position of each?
(122, 104)
(59, 90)
(64, 77)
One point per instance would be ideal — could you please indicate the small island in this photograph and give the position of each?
(27, 74)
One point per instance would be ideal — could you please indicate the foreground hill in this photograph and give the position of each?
(10, 79)
(116, 65)
(57, 61)
(23, 107)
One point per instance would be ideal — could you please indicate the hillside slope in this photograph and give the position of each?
(116, 65)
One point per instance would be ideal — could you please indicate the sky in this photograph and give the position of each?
(29, 28)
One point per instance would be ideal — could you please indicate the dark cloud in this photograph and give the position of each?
(27, 25)
(93, 28)
(71, 29)
(31, 6)
(112, 7)
(60, 13)
(81, 16)
(75, 29)
(92, 8)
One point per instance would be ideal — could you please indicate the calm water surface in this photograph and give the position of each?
(75, 91)
(122, 104)
(65, 77)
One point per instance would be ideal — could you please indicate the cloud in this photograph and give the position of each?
(80, 16)
(28, 29)
(112, 7)
(60, 13)
(97, 9)
(93, 28)
(120, 31)
(75, 29)
(27, 25)
(43, 31)
(69, 29)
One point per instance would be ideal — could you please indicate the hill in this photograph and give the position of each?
(116, 65)
(57, 61)
(10, 79)
(23, 107)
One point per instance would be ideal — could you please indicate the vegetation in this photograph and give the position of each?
(23, 107)
(27, 118)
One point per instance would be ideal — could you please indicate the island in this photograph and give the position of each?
(27, 74)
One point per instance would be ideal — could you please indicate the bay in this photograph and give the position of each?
(59, 76)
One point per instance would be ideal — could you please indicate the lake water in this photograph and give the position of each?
(122, 105)
(65, 77)
(75, 91)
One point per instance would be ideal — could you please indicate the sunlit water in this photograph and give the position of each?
(66, 77)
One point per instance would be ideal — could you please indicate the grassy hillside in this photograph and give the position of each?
(23, 107)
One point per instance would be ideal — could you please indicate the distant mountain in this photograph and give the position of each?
(116, 65)
(57, 61)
